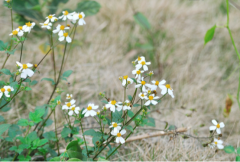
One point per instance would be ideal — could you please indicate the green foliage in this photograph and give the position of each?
(117, 116)
(23, 158)
(229, 149)
(130, 113)
(50, 136)
(237, 158)
(3, 46)
(129, 127)
(66, 74)
(3, 128)
(102, 159)
(88, 7)
(65, 132)
(6, 71)
(130, 97)
(209, 34)
(55, 159)
(54, 5)
(34, 82)
(36, 115)
(104, 101)
(142, 20)
(74, 159)
(74, 150)
(2, 118)
(49, 79)
(238, 150)
(37, 142)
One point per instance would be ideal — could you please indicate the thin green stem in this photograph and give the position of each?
(55, 122)
(8, 55)
(53, 56)
(84, 139)
(22, 47)
(230, 33)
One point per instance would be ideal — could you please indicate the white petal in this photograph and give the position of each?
(23, 75)
(145, 68)
(147, 103)
(61, 39)
(164, 90)
(214, 122)
(162, 82)
(138, 66)
(70, 113)
(60, 33)
(84, 111)
(92, 113)
(87, 114)
(68, 39)
(122, 140)
(154, 102)
(212, 127)
(218, 130)
(220, 146)
(123, 131)
(222, 125)
(117, 139)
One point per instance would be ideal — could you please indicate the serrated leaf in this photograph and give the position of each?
(3, 128)
(2, 118)
(229, 149)
(49, 79)
(32, 136)
(6, 71)
(142, 20)
(129, 127)
(74, 150)
(67, 73)
(104, 101)
(209, 34)
(130, 113)
(23, 158)
(34, 82)
(50, 136)
(3, 46)
(11, 52)
(65, 132)
(14, 130)
(23, 122)
(55, 159)
(237, 158)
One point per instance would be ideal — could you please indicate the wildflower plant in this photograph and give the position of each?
(117, 118)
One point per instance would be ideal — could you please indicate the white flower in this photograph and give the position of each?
(73, 109)
(65, 35)
(51, 18)
(69, 96)
(17, 32)
(151, 100)
(66, 15)
(116, 126)
(127, 105)
(217, 126)
(6, 90)
(142, 95)
(165, 88)
(25, 71)
(28, 27)
(143, 84)
(126, 80)
(79, 17)
(89, 111)
(46, 24)
(138, 73)
(60, 29)
(142, 58)
(68, 104)
(112, 105)
(143, 64)
(217, 143)
(119, 136)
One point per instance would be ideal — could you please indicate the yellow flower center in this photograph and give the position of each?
(20, 27)
(24, 66)
(119, 135)
(8, 1)
(68, 25)
(115, 125)
(50, 16)
(3, 89)
(58, 102)
(80, 16)
(104, 108)
(98, 113)
(142, 95)
(66, 13)
(55, 19)
(139, 58)
(89, 108)
(45, 24)
(150, 97)
(215, 142)
(157, 82)
(113, 102)
(143, 62)
(128, 82)
(29, 24)
(15, 32)
(218, 125)
(138, 72)
(125, 77)
(65, 34)
(143, 82)
(73, 108)
(168, 86)
(128, 104)
(62, 27)
(9, 90)
(69, 104)
(149, 91)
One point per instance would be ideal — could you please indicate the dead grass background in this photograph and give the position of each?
(199, 75)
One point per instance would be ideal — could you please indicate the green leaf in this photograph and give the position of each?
(36, 115)
(237, 158)
(129, 127)
(49, 79)
(3, 46)
(74, 159)
(55, 159)
(142, 20)
(151, 122)
(238, 150)
(209, 34)
(18, 150)
(88, 7)
(104, 101)
(229, 149)
(67, 73)
(32, 136)
(172, 127)
(2, 118)
(54, 5)
(37, 142)
(102, 159)
(48, 122)
(130, 97)
(6, 71)
(28, 89)
(136, 105)
(3, 128)
(34, 82)
(23, 122)
(117, 116)
(11, 52)
(74, 150)
(130, 113)
(50, 136)
(65, 132)
(23, 158)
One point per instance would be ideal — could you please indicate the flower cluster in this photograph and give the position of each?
(217, 128)
(25, 70)
(6, 90)
(23, 29)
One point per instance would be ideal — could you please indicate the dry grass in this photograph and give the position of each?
(198, 74)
